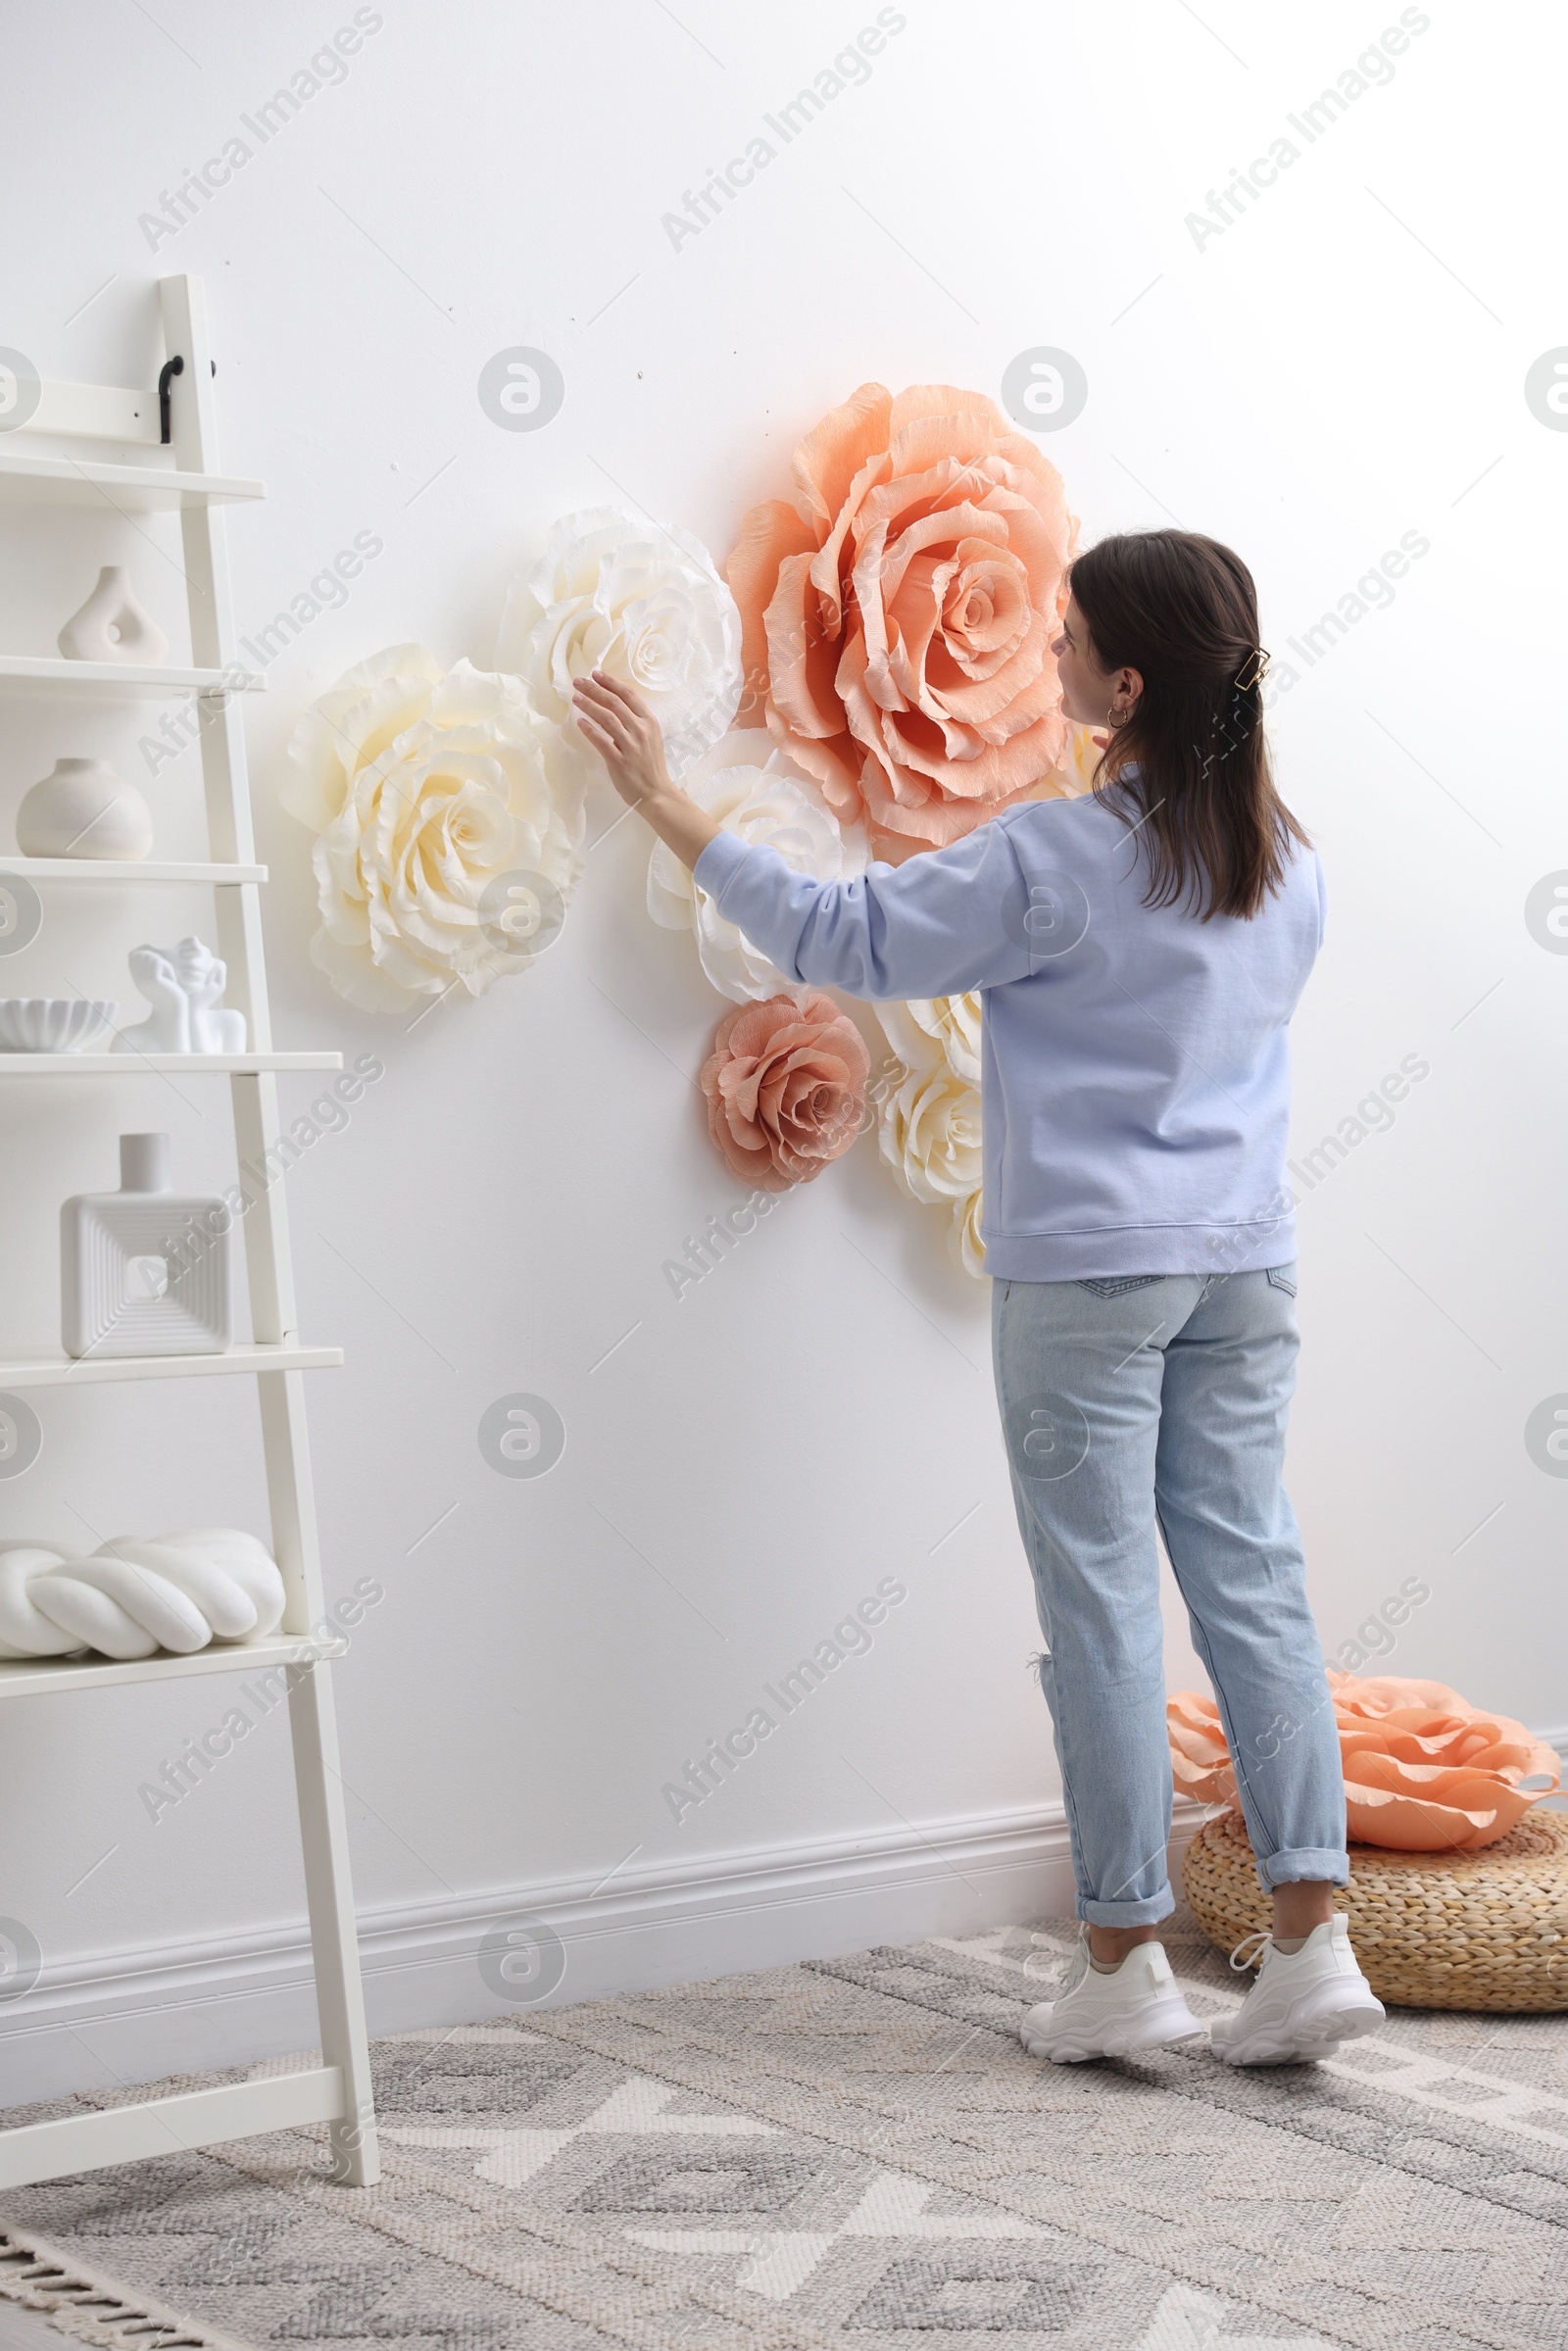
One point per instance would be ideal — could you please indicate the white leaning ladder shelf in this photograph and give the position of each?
(337, 2092)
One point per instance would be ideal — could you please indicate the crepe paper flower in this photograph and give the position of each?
(1074, 773)
(1425, 1772)
(786, 1089)
(430, 797)
(641, 600)
(936, 1027)
(898, 615)
(749, 786)
(968, 1246)
(929, 1121)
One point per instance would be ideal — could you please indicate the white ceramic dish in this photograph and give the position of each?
(53, 1024)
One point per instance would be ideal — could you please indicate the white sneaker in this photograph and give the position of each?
(1303, 2004)
(1094, 2014)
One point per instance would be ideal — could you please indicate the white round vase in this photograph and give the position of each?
(84, 809)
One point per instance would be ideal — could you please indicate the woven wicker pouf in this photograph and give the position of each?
(1482, 1931)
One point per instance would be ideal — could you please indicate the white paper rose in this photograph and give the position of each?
(428, 792)
(749, 787)
(929, 1122)
(640, 600)
(949, 1025)
(965, 1234)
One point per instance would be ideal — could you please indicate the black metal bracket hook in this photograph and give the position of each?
(169, 368)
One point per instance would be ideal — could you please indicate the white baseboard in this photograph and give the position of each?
(136, 2015)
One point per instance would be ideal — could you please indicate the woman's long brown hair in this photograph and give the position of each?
(1190, 770)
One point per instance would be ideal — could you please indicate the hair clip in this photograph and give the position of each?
(1253, 670)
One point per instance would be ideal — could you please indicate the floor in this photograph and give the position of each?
(857, 2153)
(25, 2331)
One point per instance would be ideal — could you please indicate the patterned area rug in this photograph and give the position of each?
(859, 2153)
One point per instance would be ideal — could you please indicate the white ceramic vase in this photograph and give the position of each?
(112, 625)
(84, 809)
(145, 1271)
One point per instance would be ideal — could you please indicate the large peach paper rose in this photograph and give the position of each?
(786, 1089)
(898, 616)
(1425, 1772)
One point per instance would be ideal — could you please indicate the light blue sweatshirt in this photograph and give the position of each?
(1135, 1090)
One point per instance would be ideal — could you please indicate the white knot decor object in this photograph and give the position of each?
(133, 1596)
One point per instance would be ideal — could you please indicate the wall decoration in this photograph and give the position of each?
(641, 600)
(130, 1597)
(786, 1088)
(54, 1024)
(84, 809)
(183, 984)
(426, 788)
(112, 625)
(928, 1124)
(1425, 1771)
(898, 614)
(752, 790)
(892, 626)
(144, 1271)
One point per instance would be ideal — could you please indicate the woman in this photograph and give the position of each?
(1141, 950)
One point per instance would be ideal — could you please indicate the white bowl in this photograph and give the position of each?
(53, 1024)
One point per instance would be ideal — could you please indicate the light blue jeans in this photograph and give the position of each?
(1160, 1399)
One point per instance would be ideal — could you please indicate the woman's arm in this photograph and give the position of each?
(616, 722)
(946, 921)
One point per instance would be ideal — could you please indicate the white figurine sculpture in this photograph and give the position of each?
(131, 1598)
(183, 984)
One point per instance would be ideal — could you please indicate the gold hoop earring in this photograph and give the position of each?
(1115, 717)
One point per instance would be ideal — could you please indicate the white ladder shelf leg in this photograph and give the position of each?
(340, 1998)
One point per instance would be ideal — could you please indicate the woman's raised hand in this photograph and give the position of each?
(618, 725)
(616, 722)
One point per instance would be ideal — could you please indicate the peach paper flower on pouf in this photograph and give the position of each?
(898, 616)
(786, 1089)
(1425, 1772)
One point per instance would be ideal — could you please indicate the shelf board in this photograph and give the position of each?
(29, 1677)
(137, 1065)
(52, 1367)
(131, 489)
(40, 673)
(125, 870)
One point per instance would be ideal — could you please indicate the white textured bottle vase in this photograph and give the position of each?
(112, 625)
(145, 1271)
(84, 809)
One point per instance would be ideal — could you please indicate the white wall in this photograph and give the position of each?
(1343, 365)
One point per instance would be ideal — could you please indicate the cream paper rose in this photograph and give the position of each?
(749, 787)
(444, 852)
(640, 600)
(929, 1122)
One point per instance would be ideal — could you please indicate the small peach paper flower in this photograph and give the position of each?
(898, 615)
(786, 1089)
(1425, 1772)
